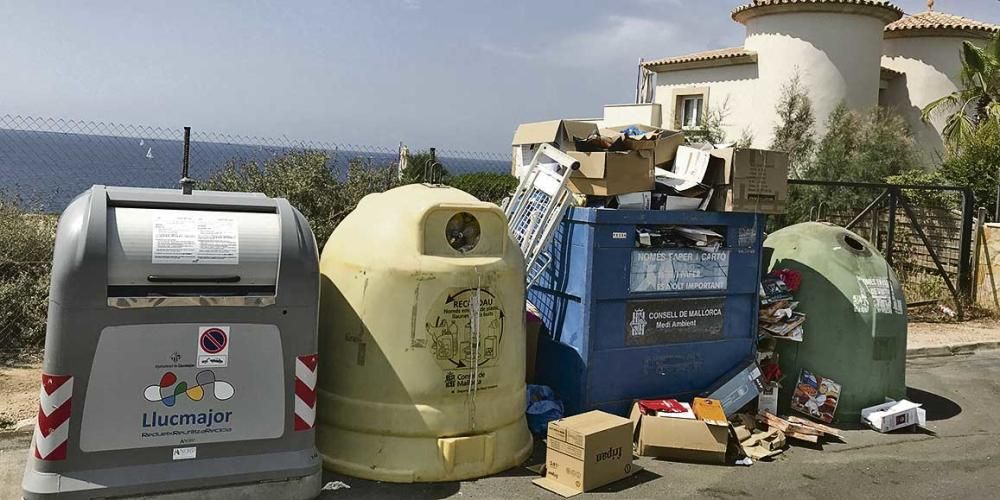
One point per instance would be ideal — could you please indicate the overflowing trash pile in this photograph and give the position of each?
(693, 214)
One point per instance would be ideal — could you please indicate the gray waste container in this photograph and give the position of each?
(180, 354)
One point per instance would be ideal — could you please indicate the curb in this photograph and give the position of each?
(950, 350)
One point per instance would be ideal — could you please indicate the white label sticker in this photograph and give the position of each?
(185, 453)
(616, 235)
(213, 346)
(195, 238)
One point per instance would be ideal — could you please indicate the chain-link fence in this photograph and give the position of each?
(45, 162)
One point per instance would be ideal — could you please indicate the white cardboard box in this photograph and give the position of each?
(893, 415)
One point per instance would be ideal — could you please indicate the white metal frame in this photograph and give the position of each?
(538, 206)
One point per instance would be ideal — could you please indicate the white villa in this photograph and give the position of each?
(860, 52)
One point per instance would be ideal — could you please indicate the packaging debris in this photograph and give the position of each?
(753, 180)
(800, 429)
(761, 444)
(893, 415)
(562, 134)
(777, 316)
(816, 396)
(587, 451)
(667, 408)
(680, 439)
(737, 388)
(679, 237)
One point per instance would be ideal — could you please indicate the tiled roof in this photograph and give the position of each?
(887, 11)
(934, 21)
(708, 55)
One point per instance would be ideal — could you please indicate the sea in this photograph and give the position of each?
(44, 171)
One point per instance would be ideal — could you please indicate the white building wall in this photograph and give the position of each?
(731, 87)
(630, 114)
(932, 66)
(836, 55)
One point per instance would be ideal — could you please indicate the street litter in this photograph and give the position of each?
(816, 396)
(335, 485)
(587, 451)
(704, 439)
(737, 388)
(893, 415)
(543, 407)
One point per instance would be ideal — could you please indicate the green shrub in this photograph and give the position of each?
(487, 186)
(976, 165)
(858, 147)
(25, 261)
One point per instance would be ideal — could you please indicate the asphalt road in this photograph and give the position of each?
(959, 456)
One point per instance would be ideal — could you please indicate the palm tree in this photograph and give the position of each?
(979, 98)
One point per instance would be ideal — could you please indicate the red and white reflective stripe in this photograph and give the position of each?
(52, 429)
(305, 392)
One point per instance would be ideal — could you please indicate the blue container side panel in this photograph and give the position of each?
(681, 371)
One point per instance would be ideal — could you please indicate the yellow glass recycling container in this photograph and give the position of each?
(422, 339)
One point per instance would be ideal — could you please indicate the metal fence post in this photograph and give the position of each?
(965, 245)
(891, 232)
(977, 235)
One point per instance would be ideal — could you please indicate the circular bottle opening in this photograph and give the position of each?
(462, 232)
(854, 243)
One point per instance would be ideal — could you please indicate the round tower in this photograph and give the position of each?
(926, 47)
(834, 46)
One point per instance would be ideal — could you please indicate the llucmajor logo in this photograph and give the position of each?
(169, 389)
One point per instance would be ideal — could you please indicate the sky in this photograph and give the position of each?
(455, 74)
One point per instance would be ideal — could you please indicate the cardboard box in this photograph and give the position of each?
(562, 134)
(587, 451)
(662, 142)
(893, 415)
(610, 173)
(680, 439)
(752, 180)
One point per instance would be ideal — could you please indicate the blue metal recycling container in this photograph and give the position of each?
(630, 322)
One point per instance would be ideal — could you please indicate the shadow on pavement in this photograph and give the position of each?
(938, 407)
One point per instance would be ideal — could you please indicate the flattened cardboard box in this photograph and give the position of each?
(560, 133)
(753, 180)
(610, 173)
(587, 451)
(679, 439)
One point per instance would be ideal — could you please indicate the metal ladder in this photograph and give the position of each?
(538, 205)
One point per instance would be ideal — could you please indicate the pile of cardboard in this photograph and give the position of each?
(648, 168)
(777, 315)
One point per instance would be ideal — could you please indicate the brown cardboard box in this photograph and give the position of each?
(663, 142)
(753, 180)
(587, 451)
(610, 173)
(680, 439)
(562, 134)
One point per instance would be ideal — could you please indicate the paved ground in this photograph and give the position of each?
(958, 457)
(930, 335)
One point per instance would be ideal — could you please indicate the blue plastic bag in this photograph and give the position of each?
(543, 407)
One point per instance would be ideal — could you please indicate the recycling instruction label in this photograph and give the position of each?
(466, 327)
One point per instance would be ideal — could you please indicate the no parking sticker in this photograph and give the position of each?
(213, 346)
